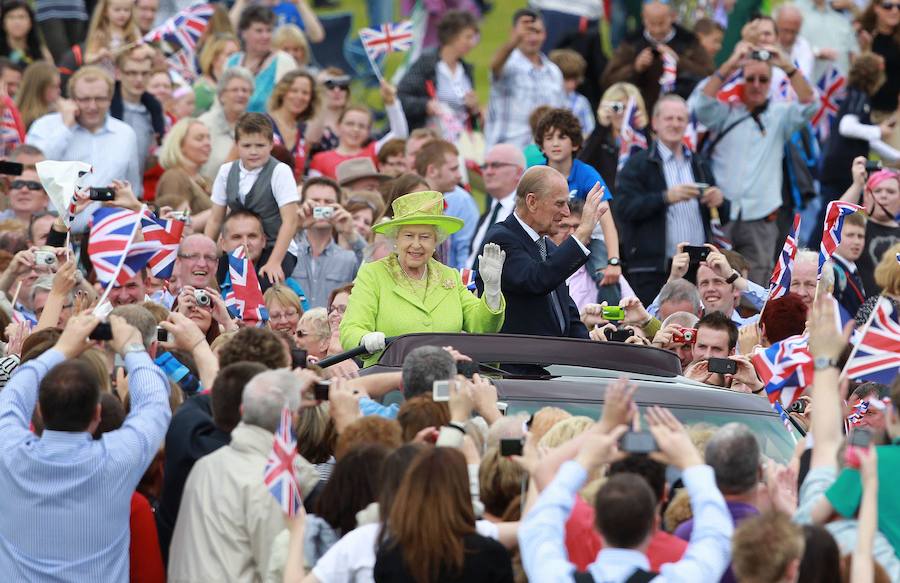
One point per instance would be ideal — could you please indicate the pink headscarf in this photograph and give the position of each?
(880, 176)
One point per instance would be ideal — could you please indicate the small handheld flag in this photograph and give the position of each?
(831, 92)
(669, 72)
(279, 474)
(167, 233)
(245, 298)
(387, 38)
(630, 137)
(780, 283)
(834, 224)
(876, 356)
(786, 368)
(178, 36)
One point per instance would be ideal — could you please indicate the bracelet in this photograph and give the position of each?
(733, 277)
(458, 426)
(761, 389)
(791, 74)
(197, 343)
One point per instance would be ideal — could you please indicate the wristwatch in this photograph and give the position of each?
(733, 277)
(133, 347)
(613, 261)
(821, 363)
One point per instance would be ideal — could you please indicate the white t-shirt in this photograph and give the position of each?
(352, 559)
(284, 187)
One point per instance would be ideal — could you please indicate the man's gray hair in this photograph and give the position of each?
(535, 180)
(733, 454)
(683, 319)
(423, 366)
(141, 318)
(266, 395)
(228, 75)
(681, 290)
(666, 98)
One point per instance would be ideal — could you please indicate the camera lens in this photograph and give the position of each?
(202, 298)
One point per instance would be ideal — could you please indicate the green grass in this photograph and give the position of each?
(494, 32)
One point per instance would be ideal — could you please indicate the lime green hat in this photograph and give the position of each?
(419, 208)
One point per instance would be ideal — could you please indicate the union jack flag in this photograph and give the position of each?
(786, 368)
(178, 37)
(168, 234)
(780, 283)
(876, 357)
(244, 299)
(732, 90)
(387, 38)
(719, 238)
(12, 132)
(692, 134)
(279, 474)
(468, 278)
(116, 258)
(669, 72)
(630, 137)
(834, 224)
(19, 317)
(831, 93)
(784, 92)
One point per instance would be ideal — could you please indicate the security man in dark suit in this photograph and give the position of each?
(535, 272)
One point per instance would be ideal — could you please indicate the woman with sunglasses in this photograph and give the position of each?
(880, 33)
(601, 149)
(335, 91)
(26, 197)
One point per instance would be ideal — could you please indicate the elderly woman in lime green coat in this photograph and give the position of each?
(408, 291)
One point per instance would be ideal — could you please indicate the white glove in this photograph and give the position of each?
(373, 341)
(490, 266)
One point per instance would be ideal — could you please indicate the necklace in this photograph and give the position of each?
(420, 278)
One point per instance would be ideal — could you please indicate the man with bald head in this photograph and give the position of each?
(197, 262)
(535, 271)
(639, 58)
(502, 168)
(788, 22)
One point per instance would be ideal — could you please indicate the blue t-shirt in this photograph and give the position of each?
(582, 179)
(287, 13)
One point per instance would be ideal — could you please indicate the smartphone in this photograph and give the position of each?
(320, 390)
(613, 313)
(701, 186)
(103, 331)
(859, 439)
(298, 358)
(873, 166)
(510, 447)
(502, 407)
(440, 391)
(466, 368)
(638, 442)
(697, 253)
(162, 335)
(102, 194)
(618, 335)
(721, 365)
(11, 168)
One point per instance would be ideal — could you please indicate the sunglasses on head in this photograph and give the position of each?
(342, 82)
(29, 184)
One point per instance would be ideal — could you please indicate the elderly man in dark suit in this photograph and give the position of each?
(534, 280)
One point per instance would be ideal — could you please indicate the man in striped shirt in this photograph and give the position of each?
(668, 190)
(67, 497)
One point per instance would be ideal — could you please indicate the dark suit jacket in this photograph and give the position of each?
(527, 282)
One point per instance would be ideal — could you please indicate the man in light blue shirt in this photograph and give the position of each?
(749, 134)
(82, 130)
(625, 513)
(67, 497)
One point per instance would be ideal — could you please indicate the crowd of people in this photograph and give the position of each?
(655, 187)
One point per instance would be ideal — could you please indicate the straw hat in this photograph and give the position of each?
(419, 208)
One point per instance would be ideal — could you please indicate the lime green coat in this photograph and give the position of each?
(382, 302)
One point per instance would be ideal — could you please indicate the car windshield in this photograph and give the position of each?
(775, 441)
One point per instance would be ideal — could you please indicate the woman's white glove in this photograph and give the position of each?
(373, 341)
(490, 266)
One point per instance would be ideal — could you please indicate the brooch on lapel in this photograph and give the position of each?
(449, 284)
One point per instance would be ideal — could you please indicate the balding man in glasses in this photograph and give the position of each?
(502, 169)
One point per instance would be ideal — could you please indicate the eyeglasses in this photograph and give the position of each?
(29, 184)
(496, 165)
(762, 79)
(337, 309)
(337, 83)
(196, 257)
(288, 315)
(890, 5)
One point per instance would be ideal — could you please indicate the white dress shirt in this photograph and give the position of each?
(507, 204)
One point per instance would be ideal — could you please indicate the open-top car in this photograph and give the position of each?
(531, 372)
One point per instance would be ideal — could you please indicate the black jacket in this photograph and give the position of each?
(640, 209)
(527, 282)
(157, 119)
(413, 92)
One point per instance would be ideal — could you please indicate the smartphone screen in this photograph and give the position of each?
(721, 365)
(440, 391)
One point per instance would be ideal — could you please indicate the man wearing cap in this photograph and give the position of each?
(534, 282)
(359, 174)
(409, 291)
